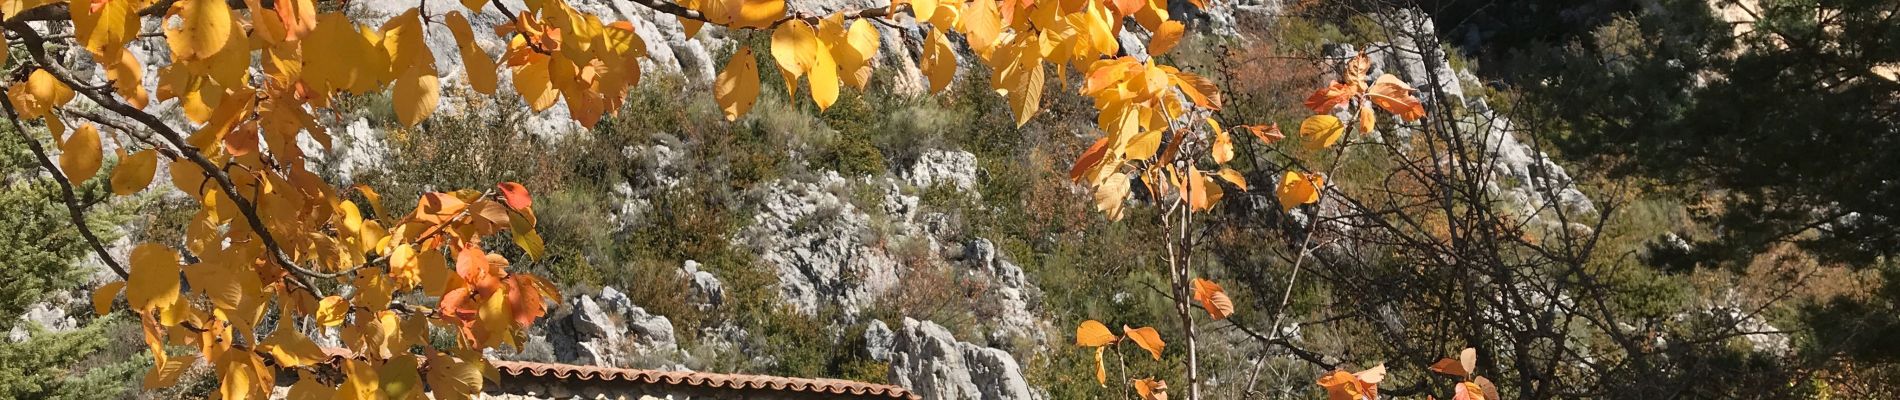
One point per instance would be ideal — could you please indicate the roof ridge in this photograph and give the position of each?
(715, 380)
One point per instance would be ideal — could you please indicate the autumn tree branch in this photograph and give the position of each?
(36, 47)
(75, 211)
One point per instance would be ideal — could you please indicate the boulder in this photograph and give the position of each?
(925, 358)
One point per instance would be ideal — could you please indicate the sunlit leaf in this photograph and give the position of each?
(331, 311)
(1165, 38)
(1147, 337)
(80, 156)
(795, 49)
(1321, 131)
(166, 373)
(1213, 298)
(134, 172)
(202, 29)
(1323, 100)
(1151, 389)
(1223, 146)
(1395, 96)
(154, 277)
(102, 297)
(1111, 195)
(738, 84)
(1299, 188)
(1092, 333)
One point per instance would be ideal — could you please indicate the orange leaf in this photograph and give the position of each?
(1341, 385)
(1266, 133)
(1357, 68)
(1395, 96)
(515, 195)
(1213, 298)
(1151, 389)
(1089, 160)
(1323, 100)
(1093, 334)
(1147, 338)
(1449, 366)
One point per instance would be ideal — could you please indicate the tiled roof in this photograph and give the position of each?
(683, 378)
(702, 379)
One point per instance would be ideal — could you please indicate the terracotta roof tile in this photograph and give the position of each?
(685, 378)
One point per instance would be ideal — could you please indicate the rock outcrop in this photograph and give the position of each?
(609, 330)
(820, 244)
(928, 360)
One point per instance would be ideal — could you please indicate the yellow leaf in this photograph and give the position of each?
(434, 272)
(1367, 121)
(982, 25)
(102, 297)
(1101, 371)
(128, 77)
(1321, 131)
(1026, 98)
(401, 381)
(360, 381)
(532, 79)
(1234, 177)
(795, 49)
(479, 68)
(154, 279)
(298, 17)
(738, 84)
(330, 312)
(1203, 193)
(291, 348)
(134, 172)
(454, 379)
(1223, 149)
(1092, 334)
(44, 91)
(1166, 37)
(922, 10)
(1213, 298)
(241, 377)
(204, 27)
(854, 57)
(756, 14)
(1198, 88)
(1111, 195)
(416, 95)
(1298, 188)
(527, 238)
(166, 373)
(1143, 145)
(307, 388)
(824, 79)
(1147, 337)
(105, 27)
(79, 155)
(940, 61)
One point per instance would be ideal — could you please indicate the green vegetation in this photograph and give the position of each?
(39, 250)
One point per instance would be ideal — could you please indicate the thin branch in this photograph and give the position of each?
(36, 47)
(74, 211)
